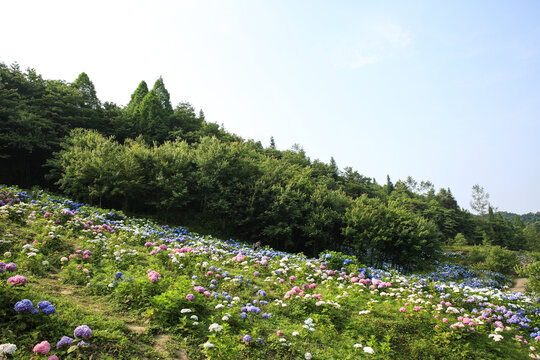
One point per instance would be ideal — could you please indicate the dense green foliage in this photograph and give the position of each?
(150, 157)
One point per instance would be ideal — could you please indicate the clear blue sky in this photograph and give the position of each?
(441, 91)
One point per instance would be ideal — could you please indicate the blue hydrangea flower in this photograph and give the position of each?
(43, 304)
(24, 306)
(49, 310)
(246, 338)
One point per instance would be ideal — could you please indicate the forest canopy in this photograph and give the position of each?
(151, 157)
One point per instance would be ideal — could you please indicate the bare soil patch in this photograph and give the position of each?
(519, 285)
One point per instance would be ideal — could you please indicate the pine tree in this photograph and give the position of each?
(480, 200)
(389, 185)
(153, 120)
(137, 98)
(88, 91)
(272, 143)
(335, 169)
(163, 96)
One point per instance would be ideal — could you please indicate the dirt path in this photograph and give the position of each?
(164, 345)
(519, 285)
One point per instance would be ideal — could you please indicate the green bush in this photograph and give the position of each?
(532, 271)
(77, 274)
(460, 240)
(478, 255)
(168, 305)
(500, 260)
(336, 260)
(138, 293)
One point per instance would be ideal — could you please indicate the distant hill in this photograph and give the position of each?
(529, 218)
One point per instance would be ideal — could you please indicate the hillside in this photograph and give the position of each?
(526, 219)
(123, 288)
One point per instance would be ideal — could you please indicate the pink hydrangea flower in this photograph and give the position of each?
(154, 276)
(42, 348)
(190, 297)
(17, 280)
(199, 289)
(239, 257)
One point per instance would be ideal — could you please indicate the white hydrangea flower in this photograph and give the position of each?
(8, 349)
(215, 328)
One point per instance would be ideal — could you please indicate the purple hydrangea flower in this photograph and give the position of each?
(65, 340)
(43, 304)
(24, 306)
(83, 344)
(35, 311)
(246, 338)
(11, 267)
(82, 331)
(260, 341)
(243, 315)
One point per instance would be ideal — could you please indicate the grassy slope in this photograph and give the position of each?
(130, 318)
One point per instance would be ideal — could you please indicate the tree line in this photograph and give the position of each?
(150, 157)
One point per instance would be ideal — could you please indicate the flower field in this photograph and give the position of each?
(79, 282)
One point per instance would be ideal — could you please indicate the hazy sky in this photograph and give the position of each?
(446, 91)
